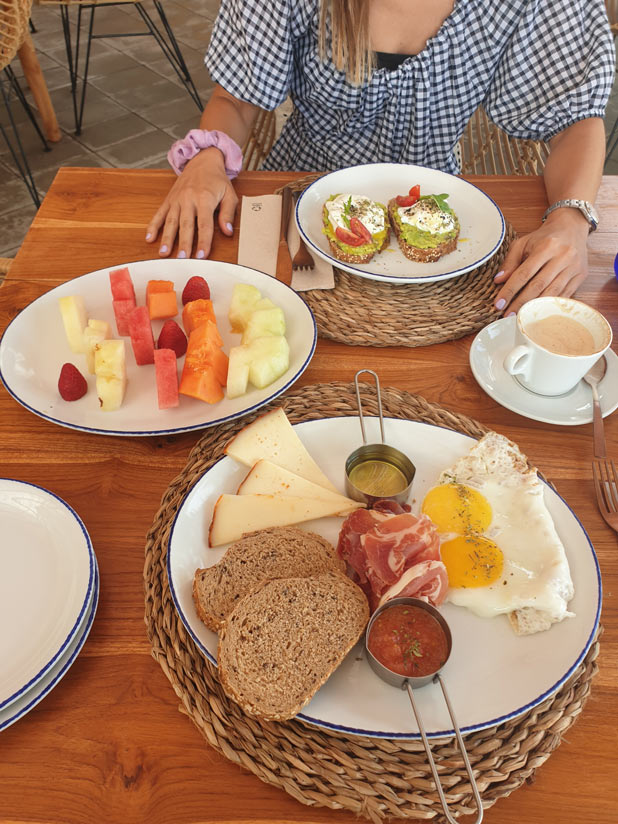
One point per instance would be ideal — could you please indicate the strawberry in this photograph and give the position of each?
(196, 288)
(172, 337)
(72, 384)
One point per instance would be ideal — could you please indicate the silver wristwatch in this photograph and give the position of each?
(586, 208)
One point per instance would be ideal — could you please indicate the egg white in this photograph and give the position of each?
(535, 585)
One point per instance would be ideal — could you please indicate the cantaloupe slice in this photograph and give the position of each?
(196, 312)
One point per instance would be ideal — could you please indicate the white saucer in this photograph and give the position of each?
(487, 354)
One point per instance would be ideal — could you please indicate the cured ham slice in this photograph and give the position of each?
(382, 547)
(427, 580)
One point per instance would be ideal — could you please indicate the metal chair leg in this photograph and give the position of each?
(19, 155)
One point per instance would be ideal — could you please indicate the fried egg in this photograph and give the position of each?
(497, 539)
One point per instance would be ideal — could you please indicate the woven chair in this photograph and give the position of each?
(14, 33)
(164, 37)
(484, 148)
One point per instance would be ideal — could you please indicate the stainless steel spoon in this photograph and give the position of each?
(592, 377)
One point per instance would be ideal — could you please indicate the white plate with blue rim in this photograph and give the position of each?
(487, 353)
(47, 577)
(493, 675)
(29, 699)
(34, 348)
(481, 221)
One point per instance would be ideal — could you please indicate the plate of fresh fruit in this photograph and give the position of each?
(157, 347)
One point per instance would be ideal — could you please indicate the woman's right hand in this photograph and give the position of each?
(192, 200)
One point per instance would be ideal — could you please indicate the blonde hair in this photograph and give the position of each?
(350, 40)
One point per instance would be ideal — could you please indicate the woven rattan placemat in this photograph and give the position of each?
(375, 778)
(363, 312)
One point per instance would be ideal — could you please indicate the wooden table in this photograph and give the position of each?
(108, 744)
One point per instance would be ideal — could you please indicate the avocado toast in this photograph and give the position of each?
(426, 229)
(356, 227)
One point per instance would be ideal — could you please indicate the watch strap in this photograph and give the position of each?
(586, 208)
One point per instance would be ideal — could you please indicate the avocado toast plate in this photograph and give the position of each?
(482, 224)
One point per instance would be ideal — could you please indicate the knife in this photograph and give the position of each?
(284, 259)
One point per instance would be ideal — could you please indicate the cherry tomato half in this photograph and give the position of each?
(359, 229)
(347, 237)
(405, 200)
(415, 191)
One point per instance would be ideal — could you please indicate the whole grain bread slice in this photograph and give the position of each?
(278, 552)
(347, 257)
(283, 641)
(429, 255)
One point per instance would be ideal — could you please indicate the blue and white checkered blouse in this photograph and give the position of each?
(536, 66)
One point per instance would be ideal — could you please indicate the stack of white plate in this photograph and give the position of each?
(49, 590)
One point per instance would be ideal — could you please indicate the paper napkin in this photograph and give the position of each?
(258, 243)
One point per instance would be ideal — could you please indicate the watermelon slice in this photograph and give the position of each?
(167, 378)
(122, 285)
(141, 335)
(122, 310)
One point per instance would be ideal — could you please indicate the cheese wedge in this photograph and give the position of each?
(272, 437)
(266, 478)
(236, 514)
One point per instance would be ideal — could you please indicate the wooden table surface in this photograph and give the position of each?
(108, 743)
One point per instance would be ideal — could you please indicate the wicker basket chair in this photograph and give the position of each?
(163, 35)
(484, 148)
(14, 33)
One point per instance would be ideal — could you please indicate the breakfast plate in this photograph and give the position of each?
(34, 347)
(47, 569)
(482, 223)
(487, 353)
(493, 675)
(29, 699)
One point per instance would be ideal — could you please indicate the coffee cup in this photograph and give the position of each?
(557, 340)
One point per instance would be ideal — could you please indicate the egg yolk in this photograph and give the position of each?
(457, 508)
(472, 561)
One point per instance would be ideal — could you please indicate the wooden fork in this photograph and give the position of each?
(606, 488)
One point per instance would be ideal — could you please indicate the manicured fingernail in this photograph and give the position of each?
(148, 236)
(163, 250)
(229, 227)
(498, 274)
(500, 304)
(200, 255)
(181, 255)
(511, 315)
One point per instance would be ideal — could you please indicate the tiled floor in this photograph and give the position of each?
(135, 104)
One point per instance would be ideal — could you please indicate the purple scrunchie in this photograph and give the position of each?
(197, 139)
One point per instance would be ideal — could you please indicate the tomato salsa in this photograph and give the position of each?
(408, 640)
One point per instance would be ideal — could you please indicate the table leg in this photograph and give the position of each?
(34, 77)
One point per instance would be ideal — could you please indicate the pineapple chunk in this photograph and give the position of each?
(95, 332)
(264, 322)
(74, 318)
(237, 371)
(110, 360)
(244, 298)
(270, 358)
(111, 392)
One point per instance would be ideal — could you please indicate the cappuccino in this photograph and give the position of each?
(562, 335)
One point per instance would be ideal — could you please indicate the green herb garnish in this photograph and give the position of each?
(440, 200)
(347, 210)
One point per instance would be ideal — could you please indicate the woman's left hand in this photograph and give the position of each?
(552, 260)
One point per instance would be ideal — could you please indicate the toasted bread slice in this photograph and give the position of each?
(280, 552)
(364, 209)
(283, 641)
(422, 255)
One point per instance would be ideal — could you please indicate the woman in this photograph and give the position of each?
(397, 81)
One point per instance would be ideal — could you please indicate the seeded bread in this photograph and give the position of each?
(414, 252)
(346, 257)
(283, 641)
(278, 552)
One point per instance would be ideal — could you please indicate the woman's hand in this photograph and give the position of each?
(192, 200)
(552, 260)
